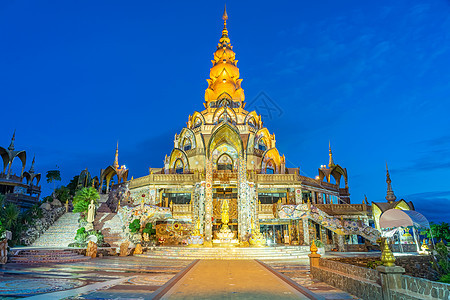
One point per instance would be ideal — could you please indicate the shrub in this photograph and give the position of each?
(319, 243)
(148, 229)
(373, 264)
(445, 278)
(81, 235)
(2, 230)
(135, 226)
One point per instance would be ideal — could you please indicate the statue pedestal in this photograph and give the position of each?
(195, 240)
(225, 238)
(89, 226)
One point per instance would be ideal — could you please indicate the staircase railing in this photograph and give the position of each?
(332, 223)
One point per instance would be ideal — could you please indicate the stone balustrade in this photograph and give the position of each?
(348, 209)
(164, 178)
(275, 178)
(181, 209)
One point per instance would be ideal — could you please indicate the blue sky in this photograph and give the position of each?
(372, 77)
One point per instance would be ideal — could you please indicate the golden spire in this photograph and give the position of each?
(390, 197)
(116, 158)
(330, 162)
(224, 81)
(224, 37)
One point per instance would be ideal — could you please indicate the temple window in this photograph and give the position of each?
(270, 168)
(179, 166)
(225, 163)
(224, 117)
(197, 122)
(177, 198)
(252, 123)
(270, 198)
(187, 145)
(262, 145)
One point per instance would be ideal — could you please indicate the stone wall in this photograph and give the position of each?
(365, 273)
(355, 280)
(367, 284)
(423, 288)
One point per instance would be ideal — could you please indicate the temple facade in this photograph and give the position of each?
(23, 188)
(225, 154)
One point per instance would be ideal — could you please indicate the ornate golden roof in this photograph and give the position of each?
(224, 82)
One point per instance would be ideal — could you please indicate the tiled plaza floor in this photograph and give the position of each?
(138, 278)
(126, 276)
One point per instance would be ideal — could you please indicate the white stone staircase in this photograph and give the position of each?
(61, 233)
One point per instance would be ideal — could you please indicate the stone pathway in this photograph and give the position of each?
(231, 279)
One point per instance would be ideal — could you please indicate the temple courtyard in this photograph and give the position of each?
(135, 277)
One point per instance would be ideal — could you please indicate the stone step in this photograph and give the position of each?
(45, 256)
(61, 233)
(228, 253)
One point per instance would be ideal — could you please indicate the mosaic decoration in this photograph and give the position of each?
(217, 153)
(27, 287)
(173, 232)
(245, 211)
(298, 196)
(144, 195)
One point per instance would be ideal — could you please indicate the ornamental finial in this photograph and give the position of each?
(225, 16)
(32, 165)
(11, 146)
(330, 162)
(387, 258)
(390, 197)
(224, 40)
(116, 158)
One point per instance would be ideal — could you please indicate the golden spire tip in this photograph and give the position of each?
(225, 16)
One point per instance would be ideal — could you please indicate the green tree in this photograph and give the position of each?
(53, 176)
(439, 231)
(2, 230)
(73, 184)
(62, 194)
(83, 198)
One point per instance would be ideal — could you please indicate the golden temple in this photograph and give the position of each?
(225, 157)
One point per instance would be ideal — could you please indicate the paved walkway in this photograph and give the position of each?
(231, 279)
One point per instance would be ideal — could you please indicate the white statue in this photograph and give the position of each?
(90, 216)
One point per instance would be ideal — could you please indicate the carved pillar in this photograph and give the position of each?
(341, 244)
(244, 208)
(253, 204)
(208, 202)
(305, 231)
(199, 205)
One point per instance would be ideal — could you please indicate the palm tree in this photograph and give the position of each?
(52, 176)
(83, 198)
(10, 215)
